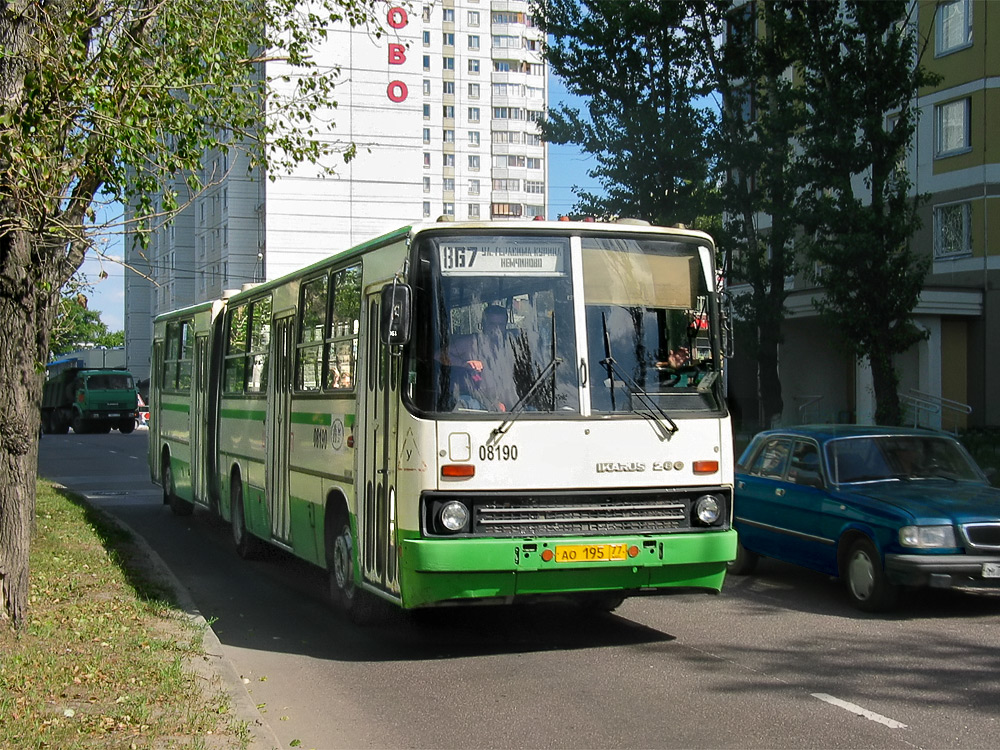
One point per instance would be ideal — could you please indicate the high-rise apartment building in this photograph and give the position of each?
(443, 111)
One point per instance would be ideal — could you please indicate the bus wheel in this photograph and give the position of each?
(247, 545)
(178, 506)
(607, 602)
(358, 604)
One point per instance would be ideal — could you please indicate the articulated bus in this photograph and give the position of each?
(464, 413)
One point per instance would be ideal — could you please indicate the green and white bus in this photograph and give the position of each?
(356, 414)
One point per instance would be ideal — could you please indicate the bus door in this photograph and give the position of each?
(376, 522)
(278, 433)
(199, 420)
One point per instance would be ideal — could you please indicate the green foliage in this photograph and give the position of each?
(631, 60)
(857, 210)
(78, 327)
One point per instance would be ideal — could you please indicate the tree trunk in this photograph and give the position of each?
(886, 384)
(25, 340)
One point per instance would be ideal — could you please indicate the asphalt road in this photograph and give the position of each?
(779, 660)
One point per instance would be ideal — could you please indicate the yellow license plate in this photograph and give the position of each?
(570, 553)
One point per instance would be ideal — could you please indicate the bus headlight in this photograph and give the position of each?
(707, 509)
(454, 516)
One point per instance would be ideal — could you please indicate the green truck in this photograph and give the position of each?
(90, 400)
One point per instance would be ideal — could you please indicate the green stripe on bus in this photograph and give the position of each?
(252, 414)
(308, 417)
(184, 408)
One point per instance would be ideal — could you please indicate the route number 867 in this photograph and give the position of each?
(497, 452)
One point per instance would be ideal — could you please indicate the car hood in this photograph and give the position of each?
(962, 501)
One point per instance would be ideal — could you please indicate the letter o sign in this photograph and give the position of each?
(397, 17)
(397, 91)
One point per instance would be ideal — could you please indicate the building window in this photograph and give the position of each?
(427, 62)
(952, 230)
(474, 67)
(449, 87)
(448, 111)
(474, 162)
(448, 209)
(473, 137)
(427, 111)
(473, 90)
(954, 26)
(427, 135)
(427, 159)
(426, 15)
(534, 163)
(473, 114)
(448, 184)
(507, 184)
(534, 186)
(506, 209)
(473, 210)
(533, 211)
(427, 184)
(473, 41)
(473, 187)
(449, 15)
(449, 160)
(427, 87)
(448, 39)
(473, 18)
(952, 122)
(449, 135)
(448, 63)
(427, 209)
(427, 39)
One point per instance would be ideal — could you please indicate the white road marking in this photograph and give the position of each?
(855, 709)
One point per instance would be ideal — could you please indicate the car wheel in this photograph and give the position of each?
(358, 604)
(867, 585)
(745, 562)
(247, 545)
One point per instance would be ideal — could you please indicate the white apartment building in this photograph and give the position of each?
(443, 111)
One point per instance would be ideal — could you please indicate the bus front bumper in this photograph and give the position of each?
(435, 571)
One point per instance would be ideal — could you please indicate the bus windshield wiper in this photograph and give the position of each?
(512, 415)
(634, 388)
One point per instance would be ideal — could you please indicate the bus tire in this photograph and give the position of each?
(247, 545)
(601, 602)
(359, 605)
(178, 506)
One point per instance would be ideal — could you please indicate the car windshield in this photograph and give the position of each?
(109, 382)
(900, 457)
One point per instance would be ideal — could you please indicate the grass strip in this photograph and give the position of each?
(104, 659)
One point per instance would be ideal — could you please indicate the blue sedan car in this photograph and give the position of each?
(881, 508)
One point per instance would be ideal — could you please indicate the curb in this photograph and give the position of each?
(262, 737)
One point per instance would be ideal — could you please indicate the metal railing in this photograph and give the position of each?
(803, 408)
(919, 405)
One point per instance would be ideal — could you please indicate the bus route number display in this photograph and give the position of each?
(491, 256)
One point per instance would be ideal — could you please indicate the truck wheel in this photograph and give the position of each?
(80, 425)
(57, 426)
(126, 426)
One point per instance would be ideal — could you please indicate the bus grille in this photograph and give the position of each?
(583, 513)
(982, 535)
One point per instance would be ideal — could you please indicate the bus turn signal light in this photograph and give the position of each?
(458, 470)
(705, 467)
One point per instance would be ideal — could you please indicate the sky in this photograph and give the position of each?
(567, 168)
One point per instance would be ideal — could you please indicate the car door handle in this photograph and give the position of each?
(741, 484)
(780, 492)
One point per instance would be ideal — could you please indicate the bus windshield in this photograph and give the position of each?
(497, 325)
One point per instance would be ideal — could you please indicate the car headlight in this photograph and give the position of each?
(927, 536)
(707, 509)
(454, 516)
